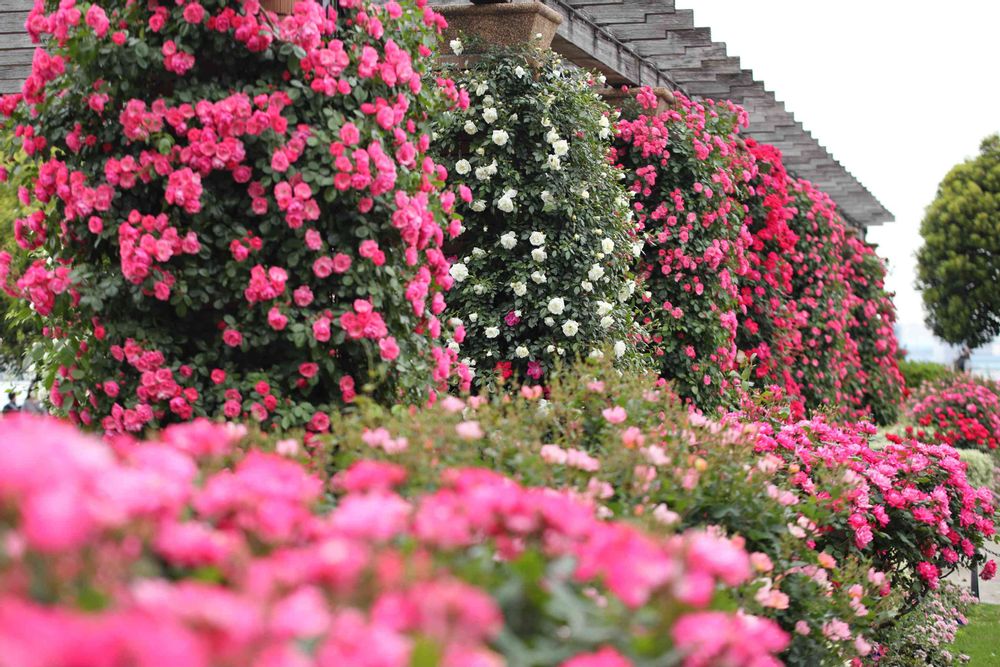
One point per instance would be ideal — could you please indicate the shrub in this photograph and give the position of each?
(631, 448)
(193, 550)
(911, 509)
(688, 174)
(542, 268)
(979, 467)
(963, 413)
(233, 214)
(918, 373)
(923, 637)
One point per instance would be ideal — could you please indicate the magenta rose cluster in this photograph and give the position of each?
(231, 212)
(744, 262)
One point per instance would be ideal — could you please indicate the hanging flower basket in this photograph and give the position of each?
(504, 24)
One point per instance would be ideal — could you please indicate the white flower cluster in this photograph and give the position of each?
(546, 273)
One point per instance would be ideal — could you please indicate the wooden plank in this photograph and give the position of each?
(17, 40)
(12, 22)
(15, 57)
(16, 5)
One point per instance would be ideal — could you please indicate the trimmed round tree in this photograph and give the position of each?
(542, 268)
(688, 172)
(232, 213)
(959, 263)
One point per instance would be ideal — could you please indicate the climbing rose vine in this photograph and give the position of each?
(232, 213)
(542, 269)
(817, 318)
(688, 172)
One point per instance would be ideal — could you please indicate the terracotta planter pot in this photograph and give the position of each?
(278, 6)
(505, 24)
(615, 96)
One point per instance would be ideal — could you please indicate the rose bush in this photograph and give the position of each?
(962, 412)
(543, 266)
(201, 550)
(818, 319)
(688, 172)
(910, 506)
(230, 212)
(843, 536)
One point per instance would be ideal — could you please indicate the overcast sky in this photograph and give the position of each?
(898, 90)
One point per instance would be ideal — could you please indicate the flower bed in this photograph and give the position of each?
(963, 413)
(191, 550)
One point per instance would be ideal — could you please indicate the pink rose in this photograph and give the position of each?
(232, 337)
(323, 267)
(321, 329)
(389, 348)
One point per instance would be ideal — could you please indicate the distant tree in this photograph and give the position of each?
(958, 267)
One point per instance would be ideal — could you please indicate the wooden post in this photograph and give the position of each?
(278, 6)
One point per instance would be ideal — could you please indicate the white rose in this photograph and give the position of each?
(492, 332)
(619, 349)
(506, 202)
(459, 272)
(538, 277)
(519, 72)
(538, 254)
(556, 305)
(551, 348)
(490, 115)
(452, 345)
(587, 286)
(454, 322)
(536, 238)
(479, 289)
(470, 127)
(546, 123)
(551, 136)
(483, 173)
(520, 289)
(570, 327)
(508, 240)
(473, 317)
(549, 322)
(596, 354)
(463, 167)
(560, 147)
(478, 252)
(596, 272)
(585, 194)
(607, 245)
(481, 88)
(479, 206)
(637, 248)
(560, 351)
(456, 46)
(500, 137)
(488, 101)
(547, 198)
(520, 352)
(603, 308)
(554, 163)
(607, 322)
